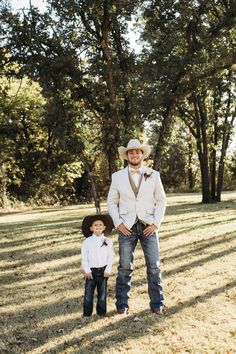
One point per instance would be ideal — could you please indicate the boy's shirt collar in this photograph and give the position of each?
(101, 236)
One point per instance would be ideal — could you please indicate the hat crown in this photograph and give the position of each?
(134, 144)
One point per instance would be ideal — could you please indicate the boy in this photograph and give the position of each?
(97, 258)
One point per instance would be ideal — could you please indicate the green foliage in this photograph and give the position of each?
(187, 42)
(21, 108)
(189, 60)
(179, 159)
(231, 163)
(73, 90)
(33, 152)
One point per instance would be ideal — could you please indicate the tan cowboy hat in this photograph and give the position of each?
(89, 219)
(134, 144)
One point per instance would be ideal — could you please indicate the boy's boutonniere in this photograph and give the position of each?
(147, 175)
(105, 243)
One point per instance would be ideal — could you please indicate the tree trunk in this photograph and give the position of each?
(200, 118)
(225, 143)
(92, 179)
(205, 178)
(213, 161)
(224, 147)
(220, 178)
(95, 192)
(216, 108)
(161, 138)
(3, 186)
(126, 70)
(190, 169)
(111, 134)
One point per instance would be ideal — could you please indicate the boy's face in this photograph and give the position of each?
(97, 227)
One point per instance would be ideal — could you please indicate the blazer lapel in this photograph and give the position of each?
(142, 180)
(127, 177)
(135, 189)
(132, 184)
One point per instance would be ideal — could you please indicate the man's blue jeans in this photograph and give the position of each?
(100, 283)
(127, 246)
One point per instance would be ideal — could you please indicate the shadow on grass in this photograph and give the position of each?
(9, 279)
(117, 332)
(64, 326)
(203, 245)
(34, 211)
(63, 255)
(62, 307)
(166, 274)
(15, 277)
(199, 262)
(16, 248)
(196, 263)
(185, 207)
(24, 226)
(32, 255)
(165, 235)
(44, 210)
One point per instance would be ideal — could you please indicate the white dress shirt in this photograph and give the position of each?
(136, 174)
(95, 254)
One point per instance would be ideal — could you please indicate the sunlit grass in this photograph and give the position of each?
(42, 284)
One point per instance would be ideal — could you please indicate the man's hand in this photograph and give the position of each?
(88, 275)
(149, 230)
(122, 228)
(106, 275)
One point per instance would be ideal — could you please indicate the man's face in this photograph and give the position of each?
(98, 227)
(135, 157)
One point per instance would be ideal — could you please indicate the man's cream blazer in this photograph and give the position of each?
(149, 205)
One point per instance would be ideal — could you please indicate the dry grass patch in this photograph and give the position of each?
(42, 284)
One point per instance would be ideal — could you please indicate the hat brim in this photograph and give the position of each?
(88, 221)
(146, 149)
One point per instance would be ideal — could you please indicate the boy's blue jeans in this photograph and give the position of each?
(100, 283)
(127, 246)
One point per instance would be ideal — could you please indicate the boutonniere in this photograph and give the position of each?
(147, 175)
(105, 243)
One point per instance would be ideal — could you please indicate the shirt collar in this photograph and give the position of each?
(98, 237)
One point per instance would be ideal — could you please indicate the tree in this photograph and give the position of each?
(179, 159)
(21, 133)
(85, 43)
(189, 44)
(79, 54)
(209, 113)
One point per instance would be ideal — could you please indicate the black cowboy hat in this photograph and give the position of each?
(88, 221)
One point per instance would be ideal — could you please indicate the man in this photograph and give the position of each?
(136, 202)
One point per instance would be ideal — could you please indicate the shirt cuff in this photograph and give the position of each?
(108, 270)
(118, 222)
(87, 270)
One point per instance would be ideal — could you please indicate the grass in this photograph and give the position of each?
(42, 284)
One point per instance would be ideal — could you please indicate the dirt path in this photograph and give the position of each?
(42, 284)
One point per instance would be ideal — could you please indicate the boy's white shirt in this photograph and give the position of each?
(94, 255)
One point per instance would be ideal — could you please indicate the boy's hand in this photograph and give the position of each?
(88, 275)
(106, 275)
